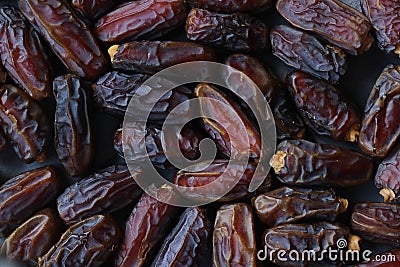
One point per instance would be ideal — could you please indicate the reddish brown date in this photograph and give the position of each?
(73, 138)
(234, 240)
(154, 56)
(93, 9)
(324, 108)
(143, 19)
(389, 258)
(380, 129)
(23, 55)
(33, 238)
(305, 52)
(87, 243)
(187, 244)
(25, 194)
(24, 124)
(336, 22)
(147, 225)
(242, 32)
(230, 6)
(68, 36)
(384, 16)
(106, 191)
(377, 222)
(289, 205)
(387, 177)
(303, 163)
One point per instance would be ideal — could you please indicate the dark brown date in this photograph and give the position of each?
(389, 258)
(303, 51)
(230, 6)
(86, 243)
(68, 36)
(377, 222)
(73, 138)
(25, 194)
(23, 55)
(24, 124)
(303, 163)
(33, 238)
(242, 32)
(106, 191)
(324, 108)
(187, 244)
(387, 177)
(154, 56)
(380, 129)
(93, 9)
(289, 205)
(147, 225)
(384, 16)
(336, 22)
(234, 240)
(143, 19)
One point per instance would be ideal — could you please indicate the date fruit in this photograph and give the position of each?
(24, 123)
(303, 163)
(380, 129)
(68, 36)
(377, 222)
(234, 240)
(25, 194)
(86, 243)
(231, 6)
(106, 191)
(387, 177)
(73, 138)
(289, 205)
(33, 238)
(242, 32)
(336, 22)
(324, 108)
(23, 55)
(143, 19)
(304, 52)
(93, 9)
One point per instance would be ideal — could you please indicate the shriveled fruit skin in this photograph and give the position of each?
(387, 177)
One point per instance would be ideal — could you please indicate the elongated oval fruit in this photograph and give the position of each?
(234, 240)
(93, 9)
(303, 163)
(86, 243)
(33, 238)
(387, 177)
(25, 194)
(73, 138)
(68, 36)
(103, 192)
(380, 129)
(23, 55)
(24, 124)
(141, 19)
(289, 205)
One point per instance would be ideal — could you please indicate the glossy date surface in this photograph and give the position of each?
(387, 177)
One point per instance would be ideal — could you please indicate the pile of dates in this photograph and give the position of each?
(63, 62)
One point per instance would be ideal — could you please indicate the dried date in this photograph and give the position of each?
(387, 177)
(231, 6)
(93, 9)
(242, 32)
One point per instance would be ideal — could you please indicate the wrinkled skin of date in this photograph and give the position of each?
(33, 238)
(187, 244)
(73, 138)
(147, 225)
(153, 56)
(303, 163)
(384, 16)
(103, 192)
(93, 9)
(68, 36)
(305, 52)
(380, 129)
(289, 205)
(231, 6)
(385, 255)
(377, 222)
(24, 123)
(143, 19)
(86, 243)
(333, 20)
(242, 32)
(387, 177)
(25, 194)
(324, 108)
(23, 55)
(234, 240)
